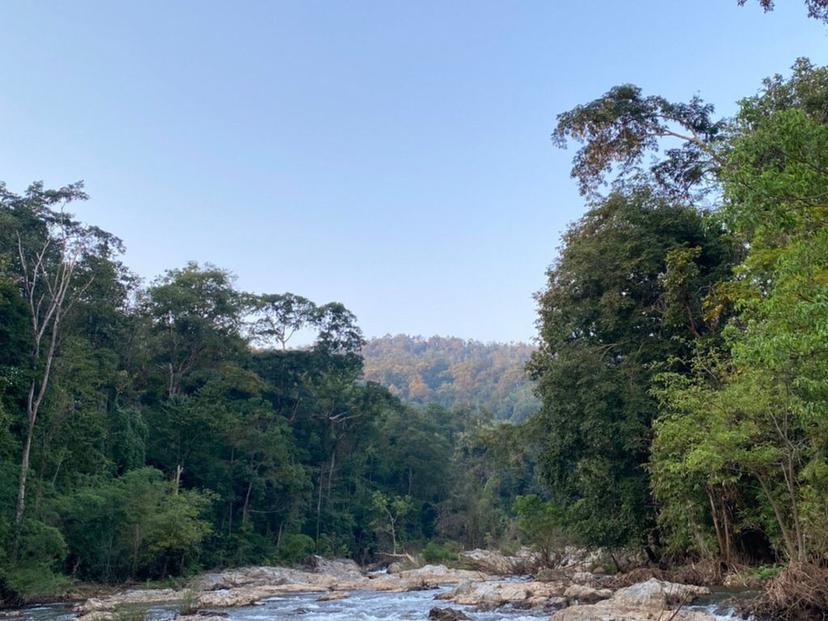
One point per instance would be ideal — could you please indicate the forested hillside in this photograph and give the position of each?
(454, 373)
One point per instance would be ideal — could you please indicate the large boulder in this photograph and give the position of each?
(447, 614)
(583, 594)
(439, 574)
(341, 568)
(131, 597)
(493, 562)
(658, 594)
(650, 600)
(493, 594)
(257, 576)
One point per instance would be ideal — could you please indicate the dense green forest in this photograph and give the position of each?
(454, 373)
(152, 429)
(149, 430)
(684, 328)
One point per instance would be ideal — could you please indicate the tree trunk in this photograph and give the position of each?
(21, 488)
(790, 546)
(319, 503)
(37, 392)
(179, 469)
(246, 503)
(714, 516)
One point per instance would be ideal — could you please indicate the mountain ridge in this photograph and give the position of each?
(454, 372)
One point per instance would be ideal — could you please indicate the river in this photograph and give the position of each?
(358, 606)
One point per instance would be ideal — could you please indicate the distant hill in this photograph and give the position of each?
(454, 372)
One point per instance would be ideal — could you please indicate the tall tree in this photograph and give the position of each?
(51, 249)
(604, 325)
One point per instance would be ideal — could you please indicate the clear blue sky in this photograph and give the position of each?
(391, 155)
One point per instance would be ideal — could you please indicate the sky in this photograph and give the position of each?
(393, 156)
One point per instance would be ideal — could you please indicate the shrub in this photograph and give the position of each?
(294, 547)
(436, 553)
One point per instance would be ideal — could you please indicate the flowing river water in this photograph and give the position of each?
(358, 606)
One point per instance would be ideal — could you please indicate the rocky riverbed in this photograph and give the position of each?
(333, 590)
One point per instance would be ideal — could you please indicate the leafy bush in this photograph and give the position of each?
(28, 580)
(294, 547)
(541, 523)
(134, 526)
(436, 553)
(42, 551)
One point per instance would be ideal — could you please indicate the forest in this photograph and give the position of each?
(683, 362)
(150, 430)
(454, 373)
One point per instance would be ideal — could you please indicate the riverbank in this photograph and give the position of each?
(568, 593)
(577, 589)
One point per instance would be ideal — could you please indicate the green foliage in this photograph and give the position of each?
(622, 299)
(390, 511)
(35, 580)
(37, 570)
(295, 547)
(491, 465)
(747, 427)
(697, 338)
(135, 525)
(434, 552)
(542, 524)
(179, 430)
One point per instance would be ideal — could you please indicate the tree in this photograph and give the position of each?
(621, 127)
(391, 511)
(275, 318)
(606, 322)
(195, 314)
(51, 249)
(817, 9)
(542, 525)
(745, 428)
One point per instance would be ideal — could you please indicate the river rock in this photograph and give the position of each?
(332, 595)
(202, 616)
(342, 568)
(493, 562)
(96, 615)
(127, 598)
(493, 594)
(258, 576)
(241, 596)
(592, 559)
(583, 594)
(583, 577)
(658, 593)
(440, 574)
(640, 602)
(447, 614)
